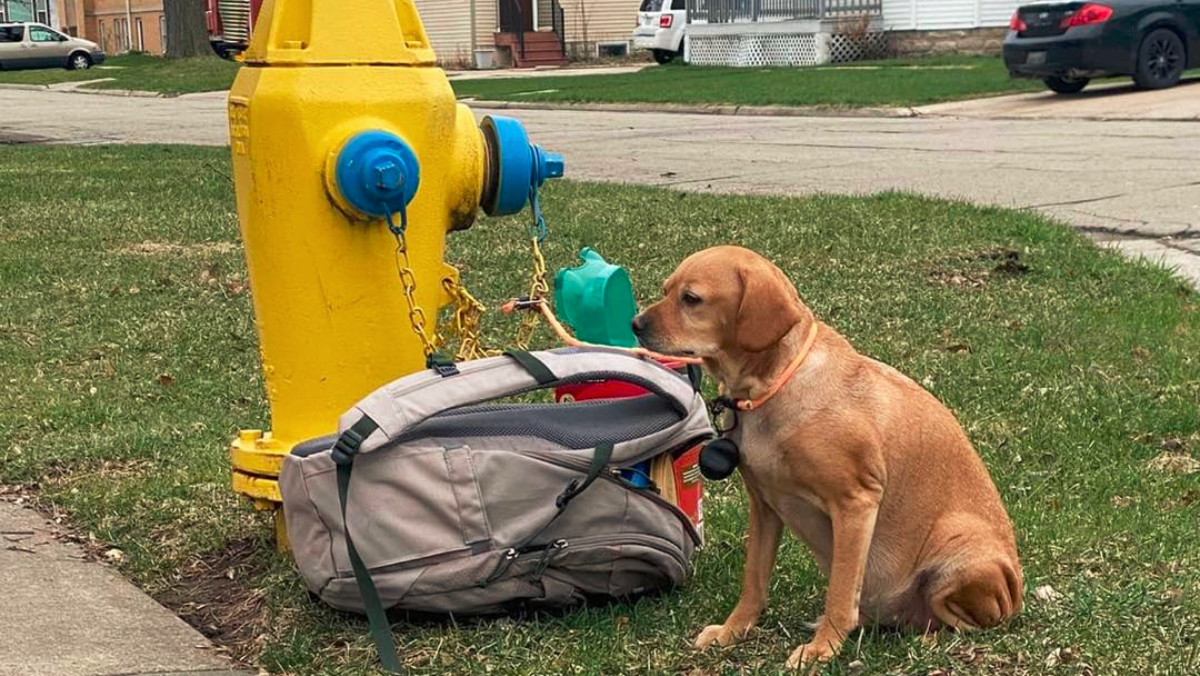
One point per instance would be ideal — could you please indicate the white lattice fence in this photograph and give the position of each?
(749, 50)
(853, 47)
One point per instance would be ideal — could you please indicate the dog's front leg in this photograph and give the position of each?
(761, 545)
(853, 522)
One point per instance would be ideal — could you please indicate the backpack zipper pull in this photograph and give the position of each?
(547, 556)
(501, 568)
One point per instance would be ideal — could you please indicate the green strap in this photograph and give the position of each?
(381, 629)
(540, 372)
(600, 458)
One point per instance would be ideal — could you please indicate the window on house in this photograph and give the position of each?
(162, 33)
(612, 49)
(141, 36)
(42, 11)
(16, 10)
(103, 37)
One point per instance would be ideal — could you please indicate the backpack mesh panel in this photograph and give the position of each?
(577, 425)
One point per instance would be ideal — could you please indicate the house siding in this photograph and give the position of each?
(448, 24)
(600, 21)
(907, 15)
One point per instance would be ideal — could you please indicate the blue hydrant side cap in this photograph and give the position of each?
(377, 173)
(516, 165)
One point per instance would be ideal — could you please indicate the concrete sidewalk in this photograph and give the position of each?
(63, 615)
(1103, 100)
(511, 73)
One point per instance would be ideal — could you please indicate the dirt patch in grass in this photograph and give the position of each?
(216, 592)
(166, 249)
(1003, 261)
(1175, 462)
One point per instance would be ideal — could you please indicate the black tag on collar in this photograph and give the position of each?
(717, 407)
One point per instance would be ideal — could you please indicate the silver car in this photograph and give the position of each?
(32, 45)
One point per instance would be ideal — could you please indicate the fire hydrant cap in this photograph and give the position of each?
(377, 173)
(516, 165)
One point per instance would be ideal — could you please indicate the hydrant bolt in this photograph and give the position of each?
(388, 176)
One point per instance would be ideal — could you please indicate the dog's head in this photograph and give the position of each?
(721, 300)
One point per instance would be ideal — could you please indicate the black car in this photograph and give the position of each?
(1067, 44)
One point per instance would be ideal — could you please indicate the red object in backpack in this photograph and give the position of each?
(688, 490)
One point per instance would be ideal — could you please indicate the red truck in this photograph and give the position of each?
(230, 24)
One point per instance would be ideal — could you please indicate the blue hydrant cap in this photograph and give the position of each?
(377, 173)
(515, 165)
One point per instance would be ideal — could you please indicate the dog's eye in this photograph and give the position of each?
(690, 298)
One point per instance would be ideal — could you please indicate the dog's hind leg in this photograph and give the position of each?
(978, 585)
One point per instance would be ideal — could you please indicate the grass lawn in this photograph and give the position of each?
(853, 85)
(129, 359)
(142, 73)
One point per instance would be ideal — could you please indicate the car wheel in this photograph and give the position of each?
(1060, 85)
(1161, 60)
(79, 61)
(663, 56)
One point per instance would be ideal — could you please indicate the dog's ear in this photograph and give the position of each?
(768, 310)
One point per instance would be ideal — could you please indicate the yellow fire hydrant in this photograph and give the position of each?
(341, 125)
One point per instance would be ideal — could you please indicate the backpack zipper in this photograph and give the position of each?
(584, 465)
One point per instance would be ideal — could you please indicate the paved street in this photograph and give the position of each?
(1130, 182)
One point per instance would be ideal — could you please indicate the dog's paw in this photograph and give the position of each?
(715, 633)
(810, 654)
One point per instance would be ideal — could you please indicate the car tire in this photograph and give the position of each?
(79, 61)
(662, 56)
(1060, 85)
(1161, 59)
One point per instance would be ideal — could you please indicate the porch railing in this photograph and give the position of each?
(559, 23)
(746, 11)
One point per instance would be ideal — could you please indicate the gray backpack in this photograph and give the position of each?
(436, 497)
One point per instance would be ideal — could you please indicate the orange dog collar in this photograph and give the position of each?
(751, 404)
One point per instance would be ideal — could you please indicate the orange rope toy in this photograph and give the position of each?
(567, 339)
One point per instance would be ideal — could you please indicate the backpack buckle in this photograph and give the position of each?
(441, 366)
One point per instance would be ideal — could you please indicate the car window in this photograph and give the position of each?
(650, 5)
(12, 33)
(42, 35)
(679, 5)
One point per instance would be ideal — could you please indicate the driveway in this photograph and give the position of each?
(1130, 183)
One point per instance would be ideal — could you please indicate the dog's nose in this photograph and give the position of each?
(639, 325)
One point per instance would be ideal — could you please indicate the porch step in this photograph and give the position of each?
(542, 48)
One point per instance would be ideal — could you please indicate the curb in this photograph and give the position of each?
(123, 93)
(56, 87)
(26, 87)
(683, 109)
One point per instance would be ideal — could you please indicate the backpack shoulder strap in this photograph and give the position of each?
(344, 450)
(401, 404)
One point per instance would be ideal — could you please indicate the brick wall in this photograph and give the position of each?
(107, 23)
(923, 43)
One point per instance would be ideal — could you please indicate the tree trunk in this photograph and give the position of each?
(187, 33)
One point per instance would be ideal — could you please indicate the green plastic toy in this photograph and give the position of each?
(596, 301)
